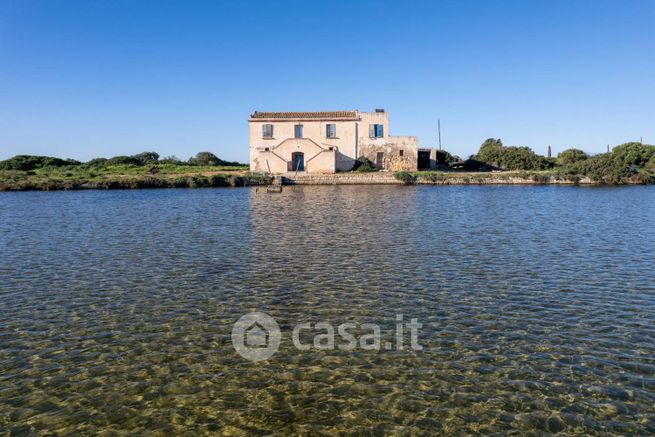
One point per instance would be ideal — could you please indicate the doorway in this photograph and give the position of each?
(298, 161)
(423, 160)
(379, 160)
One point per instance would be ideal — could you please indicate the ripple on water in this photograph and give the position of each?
(537, 306)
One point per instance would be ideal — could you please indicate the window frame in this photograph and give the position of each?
(376, 130)
(295, 131)
(264, 127)
(327, 130)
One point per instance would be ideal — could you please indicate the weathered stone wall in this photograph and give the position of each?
(342, 179)
(400, 153)
(388, 178)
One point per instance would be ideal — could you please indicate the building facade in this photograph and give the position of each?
(327, 142)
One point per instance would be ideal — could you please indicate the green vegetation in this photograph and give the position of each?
(28, 162)
(208, 158)
(143, 170)
(364, 165)
(571, 156)
(494, 153)
(627, 163)
(405, 176)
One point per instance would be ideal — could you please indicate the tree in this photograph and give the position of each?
(493, 152)
(208, 158)
(601, 168)
(31, 162)
(205, 158)
(489, 150)
(146, 158)
(571, 156)
(633, 154)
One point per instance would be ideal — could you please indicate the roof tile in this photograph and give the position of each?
(320, 115)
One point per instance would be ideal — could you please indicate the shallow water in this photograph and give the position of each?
(537, 305)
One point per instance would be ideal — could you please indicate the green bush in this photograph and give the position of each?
(145, 158)
(123, 160)
(494, 153)
(31, 162)
(601, 168)
(571, 156)
(208, 158)
(633, 154)
(406, 177)
(650, 165)
(251, 178)
(364, 165)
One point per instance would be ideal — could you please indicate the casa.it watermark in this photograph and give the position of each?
(257, 336)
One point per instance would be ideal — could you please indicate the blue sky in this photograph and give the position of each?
(90, 78)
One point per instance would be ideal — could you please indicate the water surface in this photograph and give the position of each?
(537, 304)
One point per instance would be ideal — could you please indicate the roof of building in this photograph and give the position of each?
(319, 115)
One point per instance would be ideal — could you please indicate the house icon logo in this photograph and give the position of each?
(256, 336)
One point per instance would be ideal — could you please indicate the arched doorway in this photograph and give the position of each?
(298, 161)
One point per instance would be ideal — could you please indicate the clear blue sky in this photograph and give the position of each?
(90, 78)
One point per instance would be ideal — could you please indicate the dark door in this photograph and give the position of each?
(379, 160)
(423, 160)
(298, 161)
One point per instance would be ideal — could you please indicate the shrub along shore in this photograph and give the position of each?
(629, 163)
(145, 170)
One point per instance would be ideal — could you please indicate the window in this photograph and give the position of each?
(297, 131)
(402, 152)
(331, 130)
(267, 131)
(375, 131)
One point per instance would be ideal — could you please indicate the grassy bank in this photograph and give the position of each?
(143, 170)
(479, 178)
(545, 177)
(130, 177)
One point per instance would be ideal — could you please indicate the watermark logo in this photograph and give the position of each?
(257, 336)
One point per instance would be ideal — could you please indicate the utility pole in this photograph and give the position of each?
(439, 129)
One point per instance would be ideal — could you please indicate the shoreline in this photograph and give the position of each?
(243, 179)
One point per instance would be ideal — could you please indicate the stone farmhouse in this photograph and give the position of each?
(330, 141)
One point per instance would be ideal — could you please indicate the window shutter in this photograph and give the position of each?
(381, 130)
(371, 130)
